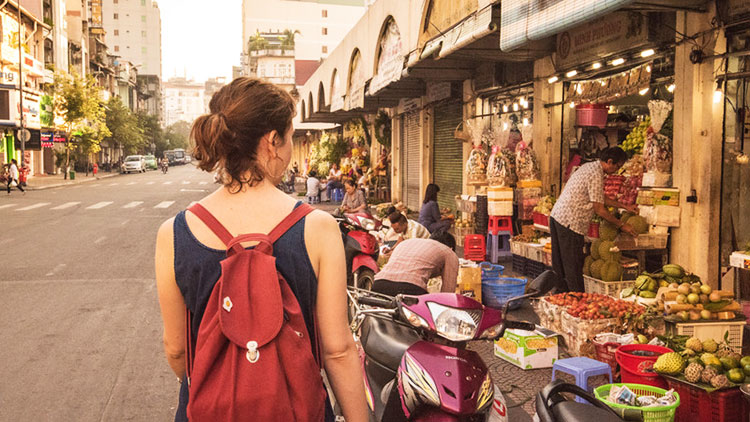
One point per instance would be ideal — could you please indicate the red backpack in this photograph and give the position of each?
(253, 360)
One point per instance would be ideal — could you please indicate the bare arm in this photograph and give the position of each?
(612, 203)
(450, 273)
(602, 212)
(170, 300)
(340, 358)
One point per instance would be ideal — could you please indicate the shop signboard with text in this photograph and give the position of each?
(531, 20)
(391, 59)
(9, 46)
(615, 32)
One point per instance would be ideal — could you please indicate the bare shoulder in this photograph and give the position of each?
(165, 231)
(321, 220)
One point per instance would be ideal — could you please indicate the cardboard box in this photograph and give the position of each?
(670, 197)
(469, 282)
(527, 349)
(739, 260)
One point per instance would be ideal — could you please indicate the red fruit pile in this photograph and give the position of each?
(594, 305)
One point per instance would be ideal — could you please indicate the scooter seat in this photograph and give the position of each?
(571, 411)
(386, 341)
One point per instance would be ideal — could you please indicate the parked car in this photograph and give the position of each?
(151, 163)
(134, 163)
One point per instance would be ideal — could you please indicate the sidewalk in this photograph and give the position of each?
(53, 181)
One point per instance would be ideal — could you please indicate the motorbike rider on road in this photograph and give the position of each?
(415, 261)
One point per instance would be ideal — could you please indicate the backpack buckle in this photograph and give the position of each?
(252, 354)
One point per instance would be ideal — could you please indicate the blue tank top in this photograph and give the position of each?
(197, 268)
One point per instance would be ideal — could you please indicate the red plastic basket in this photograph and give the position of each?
(636, 369)
(592, 114)
(474, 249)
(605, 352)
(696, 404)
(540, 219)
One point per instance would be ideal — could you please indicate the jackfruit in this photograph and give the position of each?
(595, 249)
(607, 231)
(639, 224)
(669, 363)
(604, 251)
(611, 271)
(587, 265)
(596, 268)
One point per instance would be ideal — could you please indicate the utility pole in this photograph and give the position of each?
(20, 83)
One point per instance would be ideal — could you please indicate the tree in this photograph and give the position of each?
(153, 134)
(178, 135)
(287, 40)
(78, 100)
(257, 42)
(124, 128)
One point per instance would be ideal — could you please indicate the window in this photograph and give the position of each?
(325, 49)
(325, 31)
(117, 48)
(143, 18)
(323, 12)
(115, 17)
(117, 32)
(143, 34)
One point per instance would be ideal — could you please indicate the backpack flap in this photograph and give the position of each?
(249, 323)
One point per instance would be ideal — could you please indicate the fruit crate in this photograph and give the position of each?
(611, 288)
(696, 404)
(534, 269)
(517, 248)
(519, 264)
(534, 252)
(711, 329)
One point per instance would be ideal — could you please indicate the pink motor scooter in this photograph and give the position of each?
(414, 358)
(361, 248)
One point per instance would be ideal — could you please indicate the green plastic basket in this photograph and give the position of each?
(650, 414)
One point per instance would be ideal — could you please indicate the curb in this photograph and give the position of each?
(70, 182)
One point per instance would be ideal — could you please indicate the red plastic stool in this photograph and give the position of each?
(499, 224)
(474, 249)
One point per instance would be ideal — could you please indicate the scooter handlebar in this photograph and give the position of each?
(374, 301)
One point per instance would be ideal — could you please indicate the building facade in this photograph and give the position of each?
(184, 100)
(134, 32)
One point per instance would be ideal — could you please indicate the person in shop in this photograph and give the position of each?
(354, 200)
(334, 181)
(12, 178)
(415, 261)
(429, 215)
(581, 198)
(402, 229)
(313, 187)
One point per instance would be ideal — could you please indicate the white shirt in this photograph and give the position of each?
(13, 171)
(414, 230)
(313, 186)
(575, 207)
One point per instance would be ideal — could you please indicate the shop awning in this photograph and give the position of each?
(528, 20)
(478, 25)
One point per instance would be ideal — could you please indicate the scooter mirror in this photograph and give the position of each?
(543, 284)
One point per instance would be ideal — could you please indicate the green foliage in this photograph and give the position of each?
(329, 150)
(177, 135)
(78, 100)
(383, 128)
(124, 127)
(287, 40)
(152, 132)
(257, 42)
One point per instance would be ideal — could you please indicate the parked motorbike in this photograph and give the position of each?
(414, 358)
(361, 248)
(552, 406)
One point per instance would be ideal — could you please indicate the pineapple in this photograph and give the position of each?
(693, 372)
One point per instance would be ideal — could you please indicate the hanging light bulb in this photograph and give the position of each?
(718, 94)
(643, 91)
(515, 106)
(579, 89)
(571, 74)
(505, 108)
(617, 62)
(596, 65)
(572, 104)
(525, 121)
(553, 79)
(648, 68)
(505, 126)
(670, 88)
(647, 53)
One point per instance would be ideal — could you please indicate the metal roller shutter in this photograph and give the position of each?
(447, 158)
(410, 160)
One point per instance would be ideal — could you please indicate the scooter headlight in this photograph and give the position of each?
(367, 223)
(454, 324)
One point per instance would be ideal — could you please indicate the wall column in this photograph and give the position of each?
(546, 130)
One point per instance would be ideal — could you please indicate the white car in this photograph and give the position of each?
(134, 163)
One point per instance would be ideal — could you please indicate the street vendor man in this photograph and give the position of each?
(581, 198)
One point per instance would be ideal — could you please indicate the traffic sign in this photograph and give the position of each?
(24, 135)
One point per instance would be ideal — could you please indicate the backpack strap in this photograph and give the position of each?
(299, 213)
(211, 222)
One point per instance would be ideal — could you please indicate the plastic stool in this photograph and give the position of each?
(583, 369)
(338, 195)
(474, 249)
(499, 224)
(312, 200)
(498, 246)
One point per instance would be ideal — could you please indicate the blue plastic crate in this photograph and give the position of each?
(497, 291)
(490, 270)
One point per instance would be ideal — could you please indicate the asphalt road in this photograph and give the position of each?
(80, 337)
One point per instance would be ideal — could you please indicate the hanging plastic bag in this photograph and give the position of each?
(527, 167)
(498, 169)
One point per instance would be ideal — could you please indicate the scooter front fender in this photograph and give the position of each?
(365, 261)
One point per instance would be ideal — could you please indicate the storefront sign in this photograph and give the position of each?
(8, 76)
(610, 88)
(356, 99)
(409, 104)
(9, 47)
(391, 60)
(356, 87)
(615, 32)
(31, 116)
(437, 91)
(96, 13)
(337, 97)
(32, 67)
(58, 138)
(528, 20)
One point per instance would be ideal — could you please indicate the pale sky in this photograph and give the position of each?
(200, 39)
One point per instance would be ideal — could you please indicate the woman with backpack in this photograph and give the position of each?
(249, 320)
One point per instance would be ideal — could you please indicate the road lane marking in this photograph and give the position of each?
(203, 183)
(31, 207)
(99, 205)
(114, 184)
(55, 270)
(167, 183)
(150, 183)
(185, 182)
(7, 206)
(124, 222)
(165, 204)
(65, 205)
(133, 204)
(193, 190)
(132, 183)
(100, 240)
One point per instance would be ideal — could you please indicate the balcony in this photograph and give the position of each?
(272, 52)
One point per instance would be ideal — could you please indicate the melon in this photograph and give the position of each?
(607, 231)
(587, 265)
(595, 249)
(604, 251)
(611, 271)
(596, 268)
